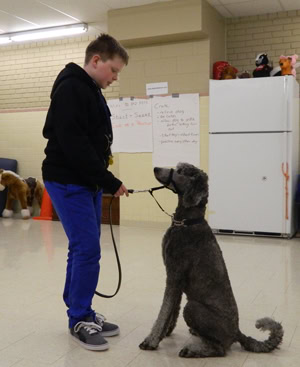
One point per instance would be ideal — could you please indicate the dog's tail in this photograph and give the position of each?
(275, 338)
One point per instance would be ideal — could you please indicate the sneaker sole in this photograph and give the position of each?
(114, 332)
(101, 347)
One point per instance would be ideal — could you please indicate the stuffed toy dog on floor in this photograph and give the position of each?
(24, 190)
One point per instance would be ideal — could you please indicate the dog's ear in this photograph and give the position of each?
(2, 187)
(8, 178)
(5, 175)
(196, 191)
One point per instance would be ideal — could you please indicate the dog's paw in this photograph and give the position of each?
(25, 213)
(147, 345)
(7, 213)
(186, 353)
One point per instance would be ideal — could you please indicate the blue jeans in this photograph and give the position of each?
(79, 210)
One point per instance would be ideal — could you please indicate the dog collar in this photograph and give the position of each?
(186, 222)
(260, 67)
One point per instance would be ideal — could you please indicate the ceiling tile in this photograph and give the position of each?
(290, 4)
(254, 7)
(118, 4)
(12, 24)
(226, 2)
(18, 15)
(94, 12)
(223, 11)
(214, 2)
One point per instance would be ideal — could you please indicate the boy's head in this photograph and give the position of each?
(104, 59)
(106, 47)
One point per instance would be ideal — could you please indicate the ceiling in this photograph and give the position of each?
(20, 15)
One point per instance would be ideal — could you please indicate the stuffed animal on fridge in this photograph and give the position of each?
(223, 70)
(263, 69)
(229, 72)
(287, 66)
(244, 75)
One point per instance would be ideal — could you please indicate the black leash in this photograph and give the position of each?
(183, 222)
(151, 193)
(113, 238)
(117, 257)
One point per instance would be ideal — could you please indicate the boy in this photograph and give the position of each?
(79, 133)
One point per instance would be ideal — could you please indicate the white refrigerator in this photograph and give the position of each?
(253, 156)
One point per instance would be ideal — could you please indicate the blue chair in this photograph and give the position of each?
(11, 165)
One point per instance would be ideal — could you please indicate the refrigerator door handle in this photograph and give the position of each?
(287, 177)
(286, 107)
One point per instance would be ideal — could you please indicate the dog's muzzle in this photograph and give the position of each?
(171, 181)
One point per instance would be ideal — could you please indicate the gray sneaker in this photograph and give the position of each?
(89, 336)
(107, 328)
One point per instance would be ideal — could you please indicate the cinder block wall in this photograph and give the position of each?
(21, 139)
(184, 65)
(28, 70)
(163, 51)
(275, 34)
(27, 73)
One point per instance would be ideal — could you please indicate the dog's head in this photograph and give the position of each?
(286, 66)
(188, 181)
(229, 72)
(261, 59)
(8, 178)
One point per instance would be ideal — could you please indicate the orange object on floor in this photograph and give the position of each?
(46, 208)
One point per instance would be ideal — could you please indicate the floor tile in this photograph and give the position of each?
(264, 273)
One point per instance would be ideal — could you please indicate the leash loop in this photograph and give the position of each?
(114, 242)
(117, 257)
(177, 223)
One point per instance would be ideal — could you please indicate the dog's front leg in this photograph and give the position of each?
(9, 202)
(8, 212)
(160, 328)
(174, 317)
(25, 212)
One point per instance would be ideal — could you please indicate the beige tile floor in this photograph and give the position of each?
(265, 275)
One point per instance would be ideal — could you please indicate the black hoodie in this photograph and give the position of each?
(79, 133)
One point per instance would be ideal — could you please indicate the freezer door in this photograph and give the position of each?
(250, 105)
(246, 183)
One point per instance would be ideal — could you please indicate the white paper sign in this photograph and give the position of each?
(132, 125)
(176, 130)
(156, 88)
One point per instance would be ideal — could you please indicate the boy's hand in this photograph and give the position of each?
(122, 190)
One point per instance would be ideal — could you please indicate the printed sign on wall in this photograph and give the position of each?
(168, 126)
(132, 125)
(176, 130)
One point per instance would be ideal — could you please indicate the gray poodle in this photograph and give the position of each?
(195, 266)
